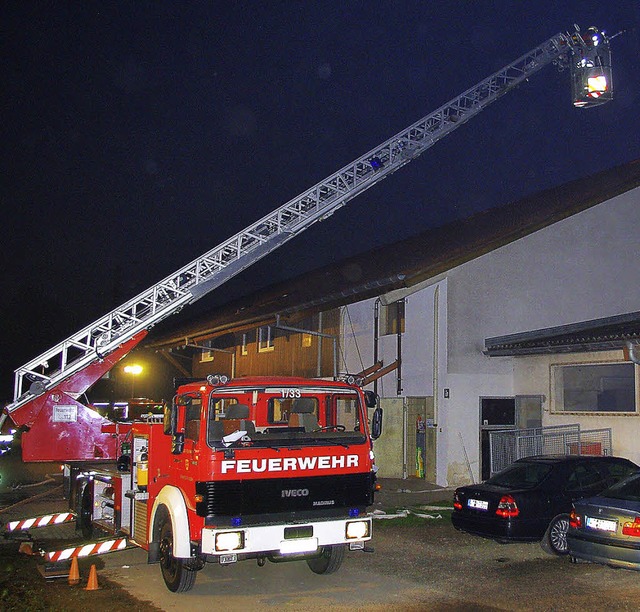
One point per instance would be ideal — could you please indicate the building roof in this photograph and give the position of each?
(405, 263)
(595, 335)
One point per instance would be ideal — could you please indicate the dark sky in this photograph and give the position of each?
(138, 135)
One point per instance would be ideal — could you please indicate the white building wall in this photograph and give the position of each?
(421, 345)
(584, 267)
(581, 268)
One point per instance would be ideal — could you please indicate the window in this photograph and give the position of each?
(244, 349)
(347, 413)
(613, 472)
(498, 411)
(585, 479)
(594, 387)
(392, 318)
(192, 418)
(206, 356)
(306, 340)
(628, 489)
(218, 407)
(279, 410)
(265, 339)
(524, 475)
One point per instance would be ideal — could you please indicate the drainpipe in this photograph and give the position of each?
(634, 351)
(376, 336)
(436, 342)
(399, 348)
(405, 435)
(319, 365)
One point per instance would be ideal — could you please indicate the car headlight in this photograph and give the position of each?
(357, 530)
(229, 540)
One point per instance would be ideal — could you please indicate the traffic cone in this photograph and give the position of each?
(92, 584)
(74, 573)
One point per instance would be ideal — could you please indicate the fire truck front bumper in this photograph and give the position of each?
(284, 541)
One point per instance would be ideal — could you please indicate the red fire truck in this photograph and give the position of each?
(254, 468)
(266, 468)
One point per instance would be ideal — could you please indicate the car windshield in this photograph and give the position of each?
(521, 475)
(275, 417)
(628, 489)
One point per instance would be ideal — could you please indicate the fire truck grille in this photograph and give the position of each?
(268, 496)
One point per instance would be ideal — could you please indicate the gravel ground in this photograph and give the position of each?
(427, 565)
(458, 570)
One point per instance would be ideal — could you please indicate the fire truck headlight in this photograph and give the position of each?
(357, 530)
(230, 540)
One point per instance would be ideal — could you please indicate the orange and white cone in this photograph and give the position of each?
(74, 573)
(92, 584)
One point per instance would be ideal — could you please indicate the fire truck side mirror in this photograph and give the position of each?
(168, 420)
(177, 443)
(376, 424)
(370, 398)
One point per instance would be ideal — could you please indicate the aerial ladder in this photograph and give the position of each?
(47, 388)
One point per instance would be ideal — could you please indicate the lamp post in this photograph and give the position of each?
(133, 370)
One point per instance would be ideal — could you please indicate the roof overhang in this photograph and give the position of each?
(609, 333)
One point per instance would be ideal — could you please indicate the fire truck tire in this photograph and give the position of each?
(329, 560)
(176, 574)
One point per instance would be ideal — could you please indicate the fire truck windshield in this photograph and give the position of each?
(285, 417)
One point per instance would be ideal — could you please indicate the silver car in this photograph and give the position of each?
(606, 528)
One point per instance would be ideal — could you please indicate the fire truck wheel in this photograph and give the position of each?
(175, 572)
(329, 560)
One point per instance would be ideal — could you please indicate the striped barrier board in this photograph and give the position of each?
(41, 521)
(95, 548)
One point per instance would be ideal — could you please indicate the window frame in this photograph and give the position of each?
(265, 346)
(556, 404)
(206, 356)
(392, 318)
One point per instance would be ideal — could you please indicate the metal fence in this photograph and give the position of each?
(508, 445)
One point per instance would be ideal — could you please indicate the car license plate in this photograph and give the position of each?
(601, 524)
(478, 504)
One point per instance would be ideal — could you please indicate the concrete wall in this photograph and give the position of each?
(422, 346)
(584, 267)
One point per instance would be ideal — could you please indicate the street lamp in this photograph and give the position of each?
(133, 370)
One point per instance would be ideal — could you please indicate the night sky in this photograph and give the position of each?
(138, 135)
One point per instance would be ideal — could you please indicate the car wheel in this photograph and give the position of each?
(176, 574)
(329, 560)
(555, 539)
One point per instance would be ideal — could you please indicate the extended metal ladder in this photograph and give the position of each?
(228, 259)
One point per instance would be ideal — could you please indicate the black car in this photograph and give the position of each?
(532, 498)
